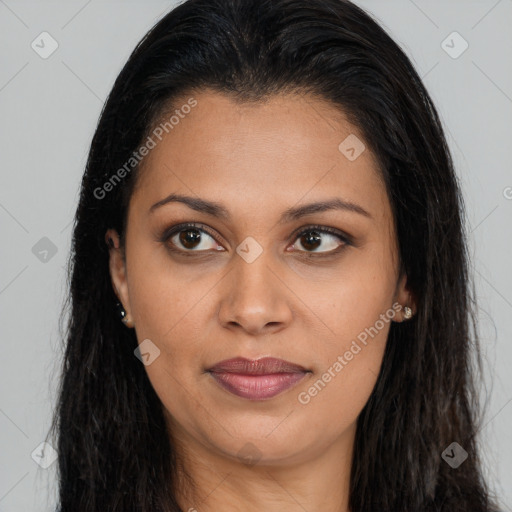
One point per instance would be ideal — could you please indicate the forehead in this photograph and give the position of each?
(287, 147)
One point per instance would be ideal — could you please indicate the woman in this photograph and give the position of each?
(270, 301)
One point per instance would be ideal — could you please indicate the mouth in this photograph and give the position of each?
(258, 379)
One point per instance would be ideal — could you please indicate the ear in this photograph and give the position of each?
(117, 267)
(404, 297)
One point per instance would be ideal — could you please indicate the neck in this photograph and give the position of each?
(308, 481)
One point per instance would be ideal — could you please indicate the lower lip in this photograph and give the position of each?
(257, 387)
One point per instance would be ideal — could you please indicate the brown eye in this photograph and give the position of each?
(313, 238)
(189, 238)
(193, 239)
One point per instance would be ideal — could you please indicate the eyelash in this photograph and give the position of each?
(169, 233)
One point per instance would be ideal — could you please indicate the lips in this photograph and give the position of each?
(258, 379)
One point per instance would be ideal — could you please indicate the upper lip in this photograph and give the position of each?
(263, 366)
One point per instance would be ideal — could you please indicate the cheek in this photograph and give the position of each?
(354, 318)
(338, 391)
(341, 305)
(168, 300)
(172, 311)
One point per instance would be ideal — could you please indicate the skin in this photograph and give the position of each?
(292, 302)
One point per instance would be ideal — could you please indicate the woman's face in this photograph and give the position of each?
(245, 283)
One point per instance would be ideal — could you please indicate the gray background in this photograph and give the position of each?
(49, 111)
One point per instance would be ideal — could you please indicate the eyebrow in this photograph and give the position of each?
(217, 210)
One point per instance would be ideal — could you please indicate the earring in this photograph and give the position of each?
(121, 313)
(407, 313)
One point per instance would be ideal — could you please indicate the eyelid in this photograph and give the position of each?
(173, 230)
(346, 238)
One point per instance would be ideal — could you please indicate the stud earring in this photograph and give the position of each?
(407, 313)
(121, 313)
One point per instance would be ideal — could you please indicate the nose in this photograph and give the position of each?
(254, 298)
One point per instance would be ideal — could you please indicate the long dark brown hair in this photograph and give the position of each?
(114, 451)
